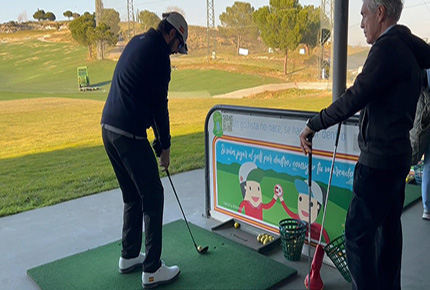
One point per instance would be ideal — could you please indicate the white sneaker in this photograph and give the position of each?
(426, 215)
(163, 275)
(128, 265)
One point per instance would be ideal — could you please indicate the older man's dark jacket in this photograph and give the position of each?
(386, 92)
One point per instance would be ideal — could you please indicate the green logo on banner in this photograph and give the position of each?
(217, 118)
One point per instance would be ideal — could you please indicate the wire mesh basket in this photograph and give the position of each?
(335, 250)
(293, 234)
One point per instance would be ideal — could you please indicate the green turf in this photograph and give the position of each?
(227, 265)
(412, 194)
(34, 69)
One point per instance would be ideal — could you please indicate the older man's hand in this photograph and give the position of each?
(306, 140)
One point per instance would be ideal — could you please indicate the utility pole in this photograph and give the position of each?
(211, 31)
(325, 60)
(130, 18)
(99, 15)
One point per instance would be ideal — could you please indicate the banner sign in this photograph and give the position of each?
(257, 173)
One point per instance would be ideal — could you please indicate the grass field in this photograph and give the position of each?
(51, 150)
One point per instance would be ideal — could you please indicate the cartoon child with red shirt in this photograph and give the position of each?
(249, 178)
(303, 207)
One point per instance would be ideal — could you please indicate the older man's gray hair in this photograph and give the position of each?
(393, 8)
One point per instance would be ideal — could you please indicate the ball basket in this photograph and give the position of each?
(293, 234)
(335, 250)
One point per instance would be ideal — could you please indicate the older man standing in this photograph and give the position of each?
(386, 94)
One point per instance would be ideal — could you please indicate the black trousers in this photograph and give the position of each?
(137, 172)
(373, 229)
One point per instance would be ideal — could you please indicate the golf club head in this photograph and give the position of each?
(201, 250)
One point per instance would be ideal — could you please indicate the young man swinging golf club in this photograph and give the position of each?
(386, 94)
(137, 100)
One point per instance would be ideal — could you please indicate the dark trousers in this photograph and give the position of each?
(373, 229)
(137, 172)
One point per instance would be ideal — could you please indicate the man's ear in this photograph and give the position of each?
(381, 13)
(172, 33)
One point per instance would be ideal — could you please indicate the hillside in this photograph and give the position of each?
(259, 61)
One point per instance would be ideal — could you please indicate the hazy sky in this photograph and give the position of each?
(416, 13)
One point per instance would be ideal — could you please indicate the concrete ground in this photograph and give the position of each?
(43, 235)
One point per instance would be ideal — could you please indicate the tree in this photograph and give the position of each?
(39, 15)
(68, 14)
(76, 15)
(111, 18)
(50, 16)
(279, 26)
(82, 29)
(148, 19)
(104, 36)
(238, 21)
(309, 18)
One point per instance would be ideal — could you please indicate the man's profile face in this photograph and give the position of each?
(175, 42)
(370, 23)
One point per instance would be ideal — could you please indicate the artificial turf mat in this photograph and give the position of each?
(412, 194)
(227, 265)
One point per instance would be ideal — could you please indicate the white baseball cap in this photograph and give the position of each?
(179, 23)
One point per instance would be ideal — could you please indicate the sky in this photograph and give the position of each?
(416, 13)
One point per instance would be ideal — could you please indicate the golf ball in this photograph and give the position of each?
(199, 248)
(236, 225)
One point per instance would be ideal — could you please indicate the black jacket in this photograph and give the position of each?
(386, 92)
(138, 94)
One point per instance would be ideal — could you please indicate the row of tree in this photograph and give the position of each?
(283, 24)
(69, 14)
(40, 14)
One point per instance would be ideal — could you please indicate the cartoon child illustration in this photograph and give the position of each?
(249, 178)
(303, 207)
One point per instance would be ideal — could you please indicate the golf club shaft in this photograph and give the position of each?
(180, 206)
(336, 142)
(174, 191)
(310, 210)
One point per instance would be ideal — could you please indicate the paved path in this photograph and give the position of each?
(275, 87)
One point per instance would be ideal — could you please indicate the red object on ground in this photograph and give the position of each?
(315, 277)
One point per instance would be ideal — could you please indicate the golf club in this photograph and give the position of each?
(313, 280)
(199, 249)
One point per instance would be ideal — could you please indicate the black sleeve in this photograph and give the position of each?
(378, 71)
(161, 122)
